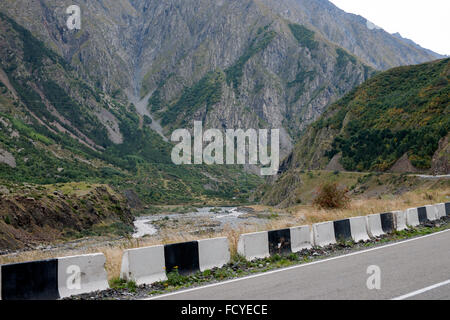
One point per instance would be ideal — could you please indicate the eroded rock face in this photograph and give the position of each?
(334, 164)
(27, 219)
(403, 165)
(441, 159)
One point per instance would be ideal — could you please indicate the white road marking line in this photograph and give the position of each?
(415, 293)
(294, 267)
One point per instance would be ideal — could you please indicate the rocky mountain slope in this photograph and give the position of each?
(359, 36)
(398, 121)
(56, 127)
(262, 63)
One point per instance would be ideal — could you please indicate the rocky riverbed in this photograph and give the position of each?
(208, 219)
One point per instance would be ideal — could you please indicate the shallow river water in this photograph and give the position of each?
(220, 215)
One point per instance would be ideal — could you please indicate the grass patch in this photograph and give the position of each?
(120, 284)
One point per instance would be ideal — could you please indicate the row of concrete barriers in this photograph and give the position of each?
(64, 277)
(264, 244)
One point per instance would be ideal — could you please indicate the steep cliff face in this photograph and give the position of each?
(261, 63)
(282, 76)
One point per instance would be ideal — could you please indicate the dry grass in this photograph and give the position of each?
(362, 207)
(295, 216)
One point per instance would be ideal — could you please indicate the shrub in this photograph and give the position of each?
(304, 36)
(330, 196)
(7, 220)
(174, 278)
(121, 284)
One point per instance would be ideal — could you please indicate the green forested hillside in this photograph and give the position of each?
(398, 121)
(405, 110)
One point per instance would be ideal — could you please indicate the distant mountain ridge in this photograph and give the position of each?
(375, 47)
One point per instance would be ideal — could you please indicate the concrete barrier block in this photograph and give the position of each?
(374, 227)
(342, 230)
(387, 222)
(440, 209)
(358, 229)
(432, 213)
(423, 214)
(279, 241)
(254, 245)
(301, 238)
(82, 274)
(400, 220)
(183, 256)
(447, 209)
(144, 265)
(213, 253)
(34, 280)
(412, 217)
(324, 234)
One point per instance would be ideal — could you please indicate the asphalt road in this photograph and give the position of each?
(413, 269)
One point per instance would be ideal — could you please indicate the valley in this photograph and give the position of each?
(86, 118)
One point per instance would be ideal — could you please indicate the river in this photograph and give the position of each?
(221, 215)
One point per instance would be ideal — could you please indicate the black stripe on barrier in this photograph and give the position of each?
(342, 230)
(422, 212)
(184, 256)
(280, 241)
(37, 280)
(447, 209)
(387, 222)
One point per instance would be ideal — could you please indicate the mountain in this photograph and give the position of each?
(99, 103)
(232, 64)
(361, 37)
(57, 127)
(397, 121)
(31, 215)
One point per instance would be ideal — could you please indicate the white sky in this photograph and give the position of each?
(426, 22)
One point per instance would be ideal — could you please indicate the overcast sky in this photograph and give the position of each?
(426, 22)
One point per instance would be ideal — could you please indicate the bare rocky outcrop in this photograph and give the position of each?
(7, 158)
(403, 165)
(5, 80)
(441, 159)
(334, 163)
(111, 124)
